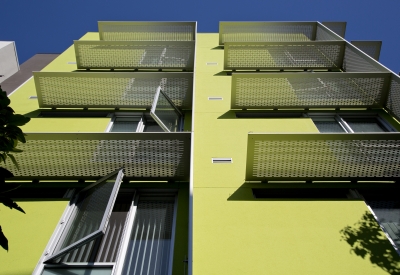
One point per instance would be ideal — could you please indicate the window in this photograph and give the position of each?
(107, 230)
(342, 123)
(163, 117)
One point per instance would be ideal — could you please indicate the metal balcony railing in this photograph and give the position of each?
(372, 48)
(147, 31)
(327, 157)
(135, 54)
(111, 90)
(283, 55)
(309, 90)
(145, 156)
(276, 31)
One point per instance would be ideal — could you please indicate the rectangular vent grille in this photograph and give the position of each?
(212, 63)
(215, 98)
(33, 97)
(221, 160)
(71, 62)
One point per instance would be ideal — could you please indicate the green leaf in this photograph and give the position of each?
(18, 120)
(13, 160)
(4, 173)
(16, 150)
(3, 157)
(8, 187)
(3, 240)
(10, 203)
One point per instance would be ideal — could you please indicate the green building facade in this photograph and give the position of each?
(266, 148)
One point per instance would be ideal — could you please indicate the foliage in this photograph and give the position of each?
(10, 135)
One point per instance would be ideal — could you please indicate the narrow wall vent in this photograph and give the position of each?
(33, 97)
(215, 98)
(221, 160)
(212, 63)
(71, 62)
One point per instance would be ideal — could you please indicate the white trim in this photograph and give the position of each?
(191, 185)
(19, 86)
(171, 249)
(126, 235)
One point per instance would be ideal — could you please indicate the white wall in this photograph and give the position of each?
(8, 60)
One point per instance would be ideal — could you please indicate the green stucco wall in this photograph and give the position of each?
(22, 104)
(237, 234)
(28, 234)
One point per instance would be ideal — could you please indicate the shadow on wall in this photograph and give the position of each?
(368, 241)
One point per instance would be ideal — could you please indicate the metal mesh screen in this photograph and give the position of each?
(283, 90)
(372, 48)
(147, 31)
(111, 89)
(277, 55)
(134, 54)
(337, 27)
(265, 31)
(356, 61)
(393, 100)
(156, 156)
(323, 156)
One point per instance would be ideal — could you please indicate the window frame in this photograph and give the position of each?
(340, 118)
(117, 266)
(104, 221)
(156, 117)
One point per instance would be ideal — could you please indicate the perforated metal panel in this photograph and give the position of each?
(337, 27)
(372, 48)
(147, 31)
(266, 31)
(145, 156)
(323, 156)
(308, 90)
(357, 61)
(101, 89)
(134, 54)
(280, 55)
(393, 99)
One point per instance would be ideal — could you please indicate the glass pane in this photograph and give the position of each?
(125, 125)
(150, 241)
(362, 126)
(328, 127)
(388, 214)
(165, 114)
(78, 271)
(88, 219)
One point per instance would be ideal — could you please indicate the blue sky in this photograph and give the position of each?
(50, 26)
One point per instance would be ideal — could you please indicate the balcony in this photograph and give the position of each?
(323, 157)
(68, 156)
(279, 31)
(147, 31)
(316, 90)
(280, 46)
(309, 90)
(135, 54)
(111, 90)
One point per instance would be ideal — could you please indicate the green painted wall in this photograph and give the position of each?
(237, 234)
(28, 234)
